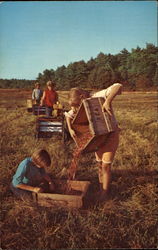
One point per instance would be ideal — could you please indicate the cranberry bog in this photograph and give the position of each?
(127, 219)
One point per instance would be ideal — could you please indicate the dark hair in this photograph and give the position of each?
(42, 158)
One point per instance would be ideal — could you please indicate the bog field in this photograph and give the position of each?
(127, 220)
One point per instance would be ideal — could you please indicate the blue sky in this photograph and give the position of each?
(39, 35)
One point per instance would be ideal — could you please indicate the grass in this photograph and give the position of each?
(126, 220)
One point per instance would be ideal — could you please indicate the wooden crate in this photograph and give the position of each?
(38, 110)
(29, 105)
(61, 199)
(47, 126)
(92, 125)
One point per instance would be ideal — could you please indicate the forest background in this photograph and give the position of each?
(136, 70)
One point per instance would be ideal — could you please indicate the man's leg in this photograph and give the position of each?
(107, 153)
(106, 176)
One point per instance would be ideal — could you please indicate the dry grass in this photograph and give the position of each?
(126, 220)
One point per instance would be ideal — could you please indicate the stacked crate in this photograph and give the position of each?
(47, 126)
(29, 105)
(38, 110)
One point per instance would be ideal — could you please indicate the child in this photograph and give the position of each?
(37, 94)
(105, 154)
(49, 98)
(30, 175)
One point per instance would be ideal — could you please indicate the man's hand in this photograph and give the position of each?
(72, 133)
(51, 186)
(37, 190)
(107, 107)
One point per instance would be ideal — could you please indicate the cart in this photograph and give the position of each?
(47, 127)
(38, 110)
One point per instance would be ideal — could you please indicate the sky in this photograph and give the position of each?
(39, 35)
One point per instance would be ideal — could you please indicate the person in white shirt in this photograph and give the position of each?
(105, 154)
(37, 94)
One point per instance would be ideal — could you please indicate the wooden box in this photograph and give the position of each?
(29, 105)
(92, 125)
(38, 110)
(74, 198)
(47, 126)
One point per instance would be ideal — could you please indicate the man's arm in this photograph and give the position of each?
(42, 99)
(33, 94)
(29, 188)
(115, 90)
(71, 131)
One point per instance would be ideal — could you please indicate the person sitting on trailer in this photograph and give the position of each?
(49, 98)
(37, 93)
(31, 176)
(105, 154)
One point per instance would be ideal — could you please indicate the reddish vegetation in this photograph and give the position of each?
(82, 141)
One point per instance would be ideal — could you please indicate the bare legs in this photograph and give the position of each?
(106, 155)
(106, 176)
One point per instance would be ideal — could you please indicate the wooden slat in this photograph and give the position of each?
(95, 143)
(90, 119)
(79, 185)
(81, 116)
(66, 200)
(29, 103)
(59, 200)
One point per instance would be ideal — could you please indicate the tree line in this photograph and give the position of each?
(137, 70)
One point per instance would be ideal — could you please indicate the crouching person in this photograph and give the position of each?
(31, 175)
